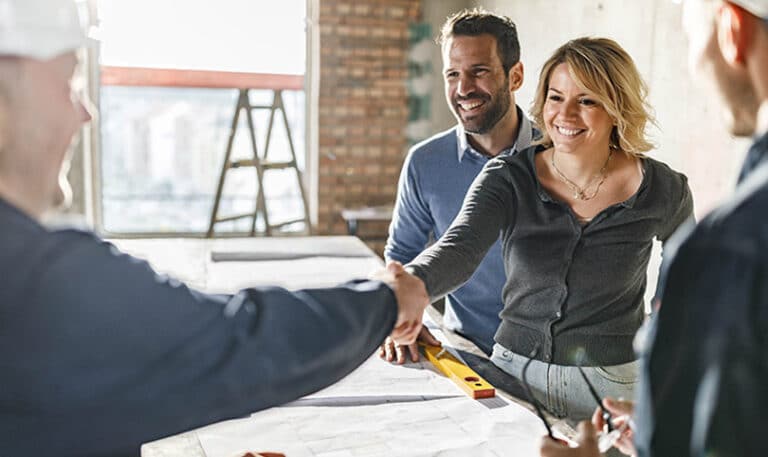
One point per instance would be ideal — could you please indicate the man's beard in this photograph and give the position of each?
(483, 123)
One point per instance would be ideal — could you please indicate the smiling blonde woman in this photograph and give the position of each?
(614, 82)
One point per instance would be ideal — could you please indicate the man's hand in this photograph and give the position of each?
(393, 352)
(412, 299)
(621, 410)
(587, 444)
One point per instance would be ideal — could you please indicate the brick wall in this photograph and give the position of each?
(363, 108)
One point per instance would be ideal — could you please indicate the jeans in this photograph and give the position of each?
(561, 389)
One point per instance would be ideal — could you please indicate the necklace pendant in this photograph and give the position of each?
(578, 195)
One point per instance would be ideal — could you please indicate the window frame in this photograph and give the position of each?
(91, 146)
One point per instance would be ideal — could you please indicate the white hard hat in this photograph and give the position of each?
(757, 7)
(40, 29)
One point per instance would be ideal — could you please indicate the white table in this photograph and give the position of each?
(291, 262)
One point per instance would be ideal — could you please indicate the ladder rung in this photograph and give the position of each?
(264, 165)
(283, 224)
(242, 163)
(277, 165)
(232, 218)
(261, 165)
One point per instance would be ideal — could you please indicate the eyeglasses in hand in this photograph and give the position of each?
(605, 439)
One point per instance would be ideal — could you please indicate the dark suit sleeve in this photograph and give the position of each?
(119, 355)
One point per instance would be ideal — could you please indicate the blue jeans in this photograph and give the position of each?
(561, 389)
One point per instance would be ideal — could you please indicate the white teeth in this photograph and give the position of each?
(568, 132)
(470, 106)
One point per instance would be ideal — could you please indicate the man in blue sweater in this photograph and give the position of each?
(482, 71)
(99, 352)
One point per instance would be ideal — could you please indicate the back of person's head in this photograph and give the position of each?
(603, 68)
(476, 22)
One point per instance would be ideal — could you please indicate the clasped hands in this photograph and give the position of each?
(412, 299)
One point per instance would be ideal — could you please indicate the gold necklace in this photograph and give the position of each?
(582, 193)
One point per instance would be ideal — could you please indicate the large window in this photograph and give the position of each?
(162, 144)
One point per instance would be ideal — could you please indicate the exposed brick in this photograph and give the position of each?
(363, 108)
(390, 170)
(342, 8)
(397, 12)
(362, 9)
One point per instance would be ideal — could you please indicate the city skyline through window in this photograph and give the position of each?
(162, 147)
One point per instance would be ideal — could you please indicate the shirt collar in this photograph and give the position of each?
(755, 156)
(524, 138)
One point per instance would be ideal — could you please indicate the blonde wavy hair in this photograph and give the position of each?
(602, 67)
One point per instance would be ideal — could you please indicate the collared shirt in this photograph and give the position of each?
(568, 285)
(704, 375)
(525, 134)
(433, 183)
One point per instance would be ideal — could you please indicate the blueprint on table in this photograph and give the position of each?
(457, 426)
(383, 409)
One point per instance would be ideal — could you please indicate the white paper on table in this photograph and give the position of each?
(379, 378)
(445, 427)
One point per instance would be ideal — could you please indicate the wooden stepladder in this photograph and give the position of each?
(260, 163)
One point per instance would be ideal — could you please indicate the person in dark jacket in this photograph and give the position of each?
(99, 352)
(703, 383)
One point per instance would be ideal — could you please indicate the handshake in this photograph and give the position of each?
(412, 299)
